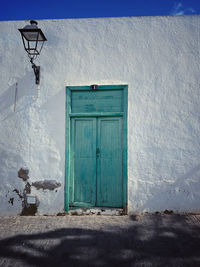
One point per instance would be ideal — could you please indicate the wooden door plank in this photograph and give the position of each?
(83, 172)
(109, 163)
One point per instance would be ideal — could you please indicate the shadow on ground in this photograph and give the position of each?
(155, 243)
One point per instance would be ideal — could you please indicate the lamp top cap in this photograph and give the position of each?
(32, 25)
(32, 22)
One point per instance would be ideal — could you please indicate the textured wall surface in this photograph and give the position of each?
(158, 57)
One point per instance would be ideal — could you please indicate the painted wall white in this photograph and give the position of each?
(158, 57)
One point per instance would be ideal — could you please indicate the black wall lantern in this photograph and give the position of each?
(33, 40)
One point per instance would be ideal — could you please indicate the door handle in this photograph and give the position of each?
(98, 152)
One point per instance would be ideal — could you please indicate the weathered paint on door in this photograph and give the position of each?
(109, 162)
(96, 146)
(83, 172)
(97, 162)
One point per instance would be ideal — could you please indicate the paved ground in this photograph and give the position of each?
(145, 240)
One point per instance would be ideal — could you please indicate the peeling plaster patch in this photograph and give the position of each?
(23, 173)
(18, 193)
(11, 200)
(27, 188)
(46, 184)
(29, 210)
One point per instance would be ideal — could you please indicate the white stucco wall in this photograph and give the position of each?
(158, 57)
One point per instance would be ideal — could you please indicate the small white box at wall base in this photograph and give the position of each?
(30, 199)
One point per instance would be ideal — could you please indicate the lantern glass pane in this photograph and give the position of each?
(39, 46)
(30, 47)
(33, 36)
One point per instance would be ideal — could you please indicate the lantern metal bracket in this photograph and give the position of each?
(36, 72)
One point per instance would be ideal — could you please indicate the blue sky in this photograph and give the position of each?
(60, 9)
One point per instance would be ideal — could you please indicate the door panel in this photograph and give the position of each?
(83, 169)
(97, 101)
(96, 169)
(109, 163)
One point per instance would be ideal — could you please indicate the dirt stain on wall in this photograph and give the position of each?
(27, 208)
(23, 174)
(11, 200)
(18, 193)
(46, 184)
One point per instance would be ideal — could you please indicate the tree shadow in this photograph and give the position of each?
(157, 242)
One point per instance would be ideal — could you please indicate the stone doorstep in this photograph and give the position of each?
(96, 211)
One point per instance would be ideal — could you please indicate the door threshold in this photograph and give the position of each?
(97, 211)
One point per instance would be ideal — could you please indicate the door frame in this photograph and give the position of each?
(69, 114)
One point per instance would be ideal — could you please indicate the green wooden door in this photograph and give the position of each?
(83, 172)
(109, 162)
(96, 172)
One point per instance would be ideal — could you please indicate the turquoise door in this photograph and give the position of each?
(83, 171)
(96, 171)
(109, 162)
